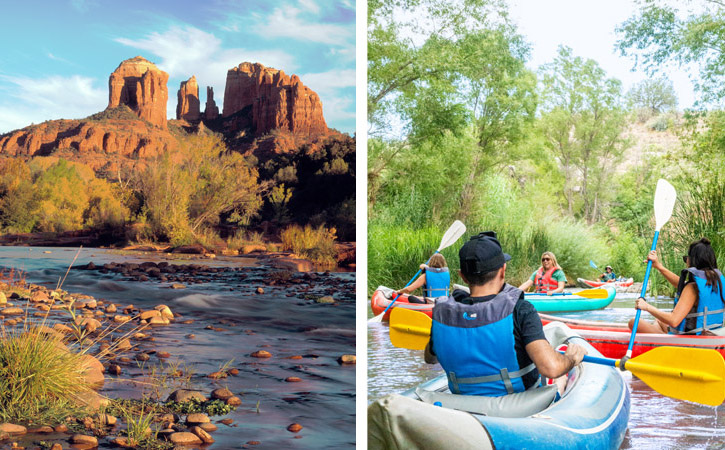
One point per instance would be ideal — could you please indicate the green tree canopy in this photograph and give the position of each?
(582, 120)
(682, 33)
(655, 95)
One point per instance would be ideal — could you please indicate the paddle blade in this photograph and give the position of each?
(409, 329)
(451, 235)
(665, 197)
(591, 263)
(692, 374)
(592, 293)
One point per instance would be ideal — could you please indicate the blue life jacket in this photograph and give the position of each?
(708, 313)
(437, 281)
(475, 345)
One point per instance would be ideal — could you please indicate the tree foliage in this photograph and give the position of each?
(655, 95)
(679, 32)
(582, 120)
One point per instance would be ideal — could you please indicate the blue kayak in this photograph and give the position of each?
(592, 414)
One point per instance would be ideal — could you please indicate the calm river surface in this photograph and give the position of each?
(230, 322)
(655, 422)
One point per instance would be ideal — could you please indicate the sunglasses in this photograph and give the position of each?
(685, 258)
(545, 259)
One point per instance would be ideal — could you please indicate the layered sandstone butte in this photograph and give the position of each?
(187, 107)
(273, 100)
(211, 110)
(139, 84)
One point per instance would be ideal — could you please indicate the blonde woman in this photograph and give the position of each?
(436, 280)
(549, 278)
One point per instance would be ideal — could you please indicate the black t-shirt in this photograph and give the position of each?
(527, 329)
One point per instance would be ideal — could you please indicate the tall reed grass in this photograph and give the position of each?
(314, 243)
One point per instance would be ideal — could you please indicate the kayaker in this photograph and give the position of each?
(609, 275)
(699, 297)
(435, 277)
(491, 341)
(549, 278)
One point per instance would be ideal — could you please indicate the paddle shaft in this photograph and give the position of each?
(642, 294)
(409, 283)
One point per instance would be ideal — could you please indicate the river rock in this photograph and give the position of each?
(259, 290)
(10, 428)
(196, 419)
(93, 371)
(184, 395)
(111, 309)
(295, 427)
(184, 438)
(221, 394)
(234, 401)
(121, 319)
(208, 427)
(177, 286)
(203, 435)
(261, 354)
(149, 314)
(3, 298)
(84, 439)
(88, 323)
(347, 359)
(326, 299)
(165, 311)
(11, 311)
(123, 345)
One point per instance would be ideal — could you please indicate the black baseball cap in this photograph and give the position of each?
(482, 254)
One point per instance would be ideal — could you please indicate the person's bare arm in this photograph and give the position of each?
(551, 363)
(677, 315)
(668, 274)
(420, 282)
(559, 288)
(527, 284)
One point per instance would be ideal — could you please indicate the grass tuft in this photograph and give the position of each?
(316, 244)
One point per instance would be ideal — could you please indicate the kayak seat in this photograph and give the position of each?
(519, 404)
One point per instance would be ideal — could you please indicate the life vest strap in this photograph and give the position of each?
(504, 376)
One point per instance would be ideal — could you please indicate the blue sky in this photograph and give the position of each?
(56, 56)
(588, 27)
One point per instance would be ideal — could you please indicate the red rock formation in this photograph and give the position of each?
(187, 107)
(211, 111)
(95, 143)
(139, 84)
(273, 100)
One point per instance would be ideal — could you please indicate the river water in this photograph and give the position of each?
(282, 321)
(656, 422)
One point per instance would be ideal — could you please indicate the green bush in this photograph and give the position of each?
(40, 380)
(316, 244)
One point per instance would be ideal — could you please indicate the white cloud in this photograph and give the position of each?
(310, 5)
(338, 106)
(49, 98)
(287, 22)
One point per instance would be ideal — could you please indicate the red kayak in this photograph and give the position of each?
(612, 339)
(617, 284)
(380, 301)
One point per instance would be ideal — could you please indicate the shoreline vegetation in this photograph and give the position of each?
(207, 193)
(59, 349)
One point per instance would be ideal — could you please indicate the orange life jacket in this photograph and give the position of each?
(544, 282)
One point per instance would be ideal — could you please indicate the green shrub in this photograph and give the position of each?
(316, 244)
(40, 380)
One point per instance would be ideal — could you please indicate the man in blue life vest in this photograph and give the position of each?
(491, 341)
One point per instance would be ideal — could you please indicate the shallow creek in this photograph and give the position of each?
(231, 320)
(655, 422)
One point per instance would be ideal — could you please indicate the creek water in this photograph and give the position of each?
(656, 422)
(281, 321)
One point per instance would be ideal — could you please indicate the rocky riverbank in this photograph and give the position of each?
(148, 364)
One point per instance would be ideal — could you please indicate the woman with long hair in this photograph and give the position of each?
(435, 281)
(699, 300)
(549, 278)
